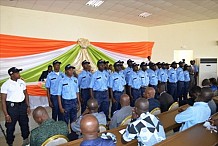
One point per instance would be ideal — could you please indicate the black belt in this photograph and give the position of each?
(135, 89)
(15, 103)
(118, 91)
(85, 88)
(100, 91)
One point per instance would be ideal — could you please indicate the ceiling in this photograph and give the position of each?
(126, 11)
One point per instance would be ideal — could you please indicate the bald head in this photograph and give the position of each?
(40, 114)
(141, 106)
(124, 100)
(149, 92)
(89, 127)
(92, 105)
(206, 94)
(161, 87)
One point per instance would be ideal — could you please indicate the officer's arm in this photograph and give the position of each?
(59, 102)
(4, 107)
(111, 93)
(26, 98)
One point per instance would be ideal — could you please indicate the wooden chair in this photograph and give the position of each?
(55, 140)
(175, 105)
(126, 121)
(102, 128)
(156, 111)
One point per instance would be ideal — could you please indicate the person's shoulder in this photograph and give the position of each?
(21, 81)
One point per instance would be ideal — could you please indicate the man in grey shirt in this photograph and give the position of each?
(92, 108)
(121, 114)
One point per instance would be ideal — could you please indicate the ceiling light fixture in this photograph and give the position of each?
(144, 14)
(94, 3)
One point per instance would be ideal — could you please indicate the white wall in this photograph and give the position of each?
(30, 23)
(199, 36)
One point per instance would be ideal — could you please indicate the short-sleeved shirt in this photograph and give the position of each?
(68, 87)
(162, 75)
(84, 79)
(46, 130)
(127, 72)
(144, 77)
(117, 81)
(153, 79)
(147, 129)
(99, 81)
(186, 76)
(14, 90)
(135, 80)
(97, 142)
(172, 75)
(53, 80)
(180, 74)
(119, 116)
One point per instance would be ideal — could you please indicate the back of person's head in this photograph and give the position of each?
(124, 100)
(205, 83)
(92, 105)
(40, 114)
(206, 95)
(195, 92)
(149, 92)
(141, 106)
(161, 87)
(89, 127)
(213, 81)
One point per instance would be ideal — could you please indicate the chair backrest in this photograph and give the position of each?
(175, 105)
(126, 121)
(55, 140)
(102, 128)
(156, 111)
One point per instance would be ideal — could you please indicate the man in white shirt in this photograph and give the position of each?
(15, 106)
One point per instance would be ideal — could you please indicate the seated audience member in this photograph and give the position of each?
(47, 127)
(144, 127)
(205, 83)
(121, 114)
(92, 108)
(165, 99)
(213, 84)
(149, 94)
(193, 93)
(89, 128)
(45, 73)
(198, 113)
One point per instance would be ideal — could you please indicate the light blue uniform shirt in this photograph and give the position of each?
(99, 81)
(180, 74)
(162, 75)
(117, 81)
(52, 82)
(172, 76)
(153, 79)
(68, 87)
(186, 76)
(84, 79)
(135, 80)
(198, 113)
(127, 73)
(107, 72)
(144, 77)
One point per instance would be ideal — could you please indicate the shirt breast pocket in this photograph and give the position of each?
(66, 88)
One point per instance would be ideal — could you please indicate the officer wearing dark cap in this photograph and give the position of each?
(84, 80)
(172, 84)
(122, 66)
(99, 88)
(51, 84)
(153, 78)
(144, 77)
(15, 106)
(134, 84)
(127, 72)
(68, 95)
(106, 68)
(181, 79)
(162, 74)
(117, 83)
(186, 80)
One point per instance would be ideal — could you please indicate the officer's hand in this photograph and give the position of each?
(62, 110)
(78, 107)
(81, 100)
(50, 104)
(113, 100)
(8, 119)
(180, 110)
(28, 110)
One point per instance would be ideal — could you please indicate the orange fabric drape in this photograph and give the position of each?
(36, 90)
(15, 46)
(139, 49)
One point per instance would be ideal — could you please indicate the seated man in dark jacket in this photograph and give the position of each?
(165, 99)
(149, 94)
(45, 73)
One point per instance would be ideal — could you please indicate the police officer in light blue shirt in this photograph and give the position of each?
(162, 75)
(84, 80)
(135, 84)
(153, 78)
(106, 68)
(186, 80)
(180, 82)
(99, 88)
(144, 77)
(127, 72)
(172, 84)
(51, 84)
(117, 84)
(68, 95)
